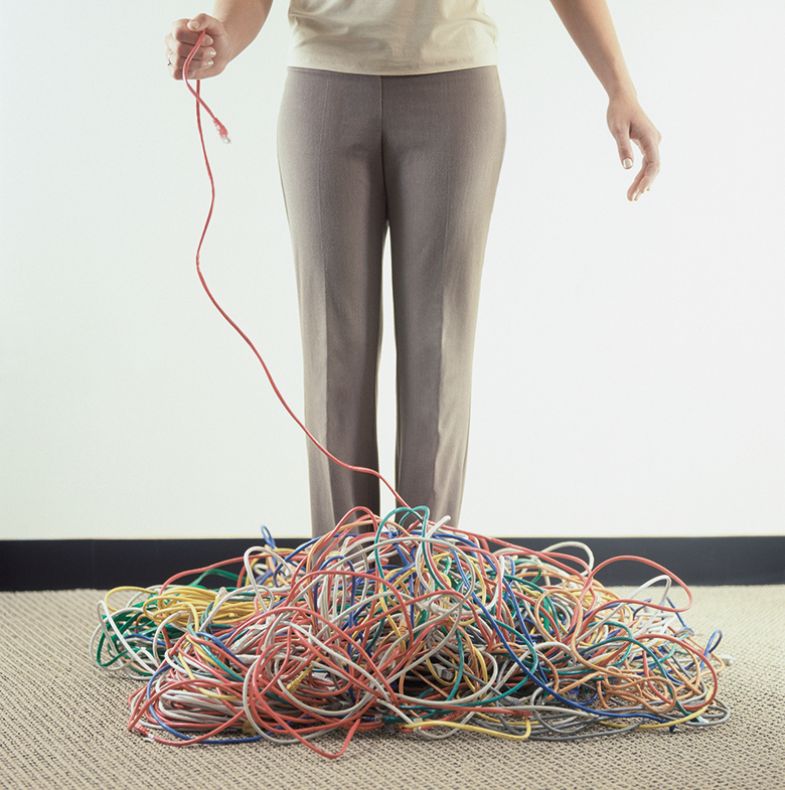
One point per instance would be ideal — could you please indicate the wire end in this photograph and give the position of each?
(222, 131)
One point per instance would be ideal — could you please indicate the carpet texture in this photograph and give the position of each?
(63, 722)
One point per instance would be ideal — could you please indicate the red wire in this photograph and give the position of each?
(225, 136)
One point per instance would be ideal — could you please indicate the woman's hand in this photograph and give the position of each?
(628, 122)
(213, 55)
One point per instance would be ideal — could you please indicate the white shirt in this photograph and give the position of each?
(390, 36)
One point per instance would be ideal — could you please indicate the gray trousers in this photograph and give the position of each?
(420, 155)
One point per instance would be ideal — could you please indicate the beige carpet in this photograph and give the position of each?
(63, 722)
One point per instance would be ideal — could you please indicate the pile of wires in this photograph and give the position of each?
(427, 629)
(403, 623)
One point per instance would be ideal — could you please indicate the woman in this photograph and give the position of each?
(392, 116)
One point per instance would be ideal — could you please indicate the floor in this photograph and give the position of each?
(62, 722)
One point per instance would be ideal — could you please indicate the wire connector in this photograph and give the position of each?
(222, 130)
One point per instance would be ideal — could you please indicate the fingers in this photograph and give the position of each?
(177, 49)
(629, 124)
(179, 43)
(176, 54)
(181, 32)
(648, 142)
(213, 26)
(196, 70)
(621, 133)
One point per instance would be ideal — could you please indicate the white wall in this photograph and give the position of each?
(629, 357)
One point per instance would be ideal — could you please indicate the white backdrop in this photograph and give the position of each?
(629, 357)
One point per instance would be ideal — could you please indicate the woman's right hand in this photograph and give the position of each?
(213, 55)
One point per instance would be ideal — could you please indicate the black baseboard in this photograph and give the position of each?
(102, 564)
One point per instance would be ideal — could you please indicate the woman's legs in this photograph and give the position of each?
(328, 137)
(444, 137)
(422, 152)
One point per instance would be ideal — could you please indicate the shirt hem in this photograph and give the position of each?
(424, 68)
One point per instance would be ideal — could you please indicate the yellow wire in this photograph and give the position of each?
(471, 727)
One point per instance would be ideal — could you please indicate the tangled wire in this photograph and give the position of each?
(425, 629)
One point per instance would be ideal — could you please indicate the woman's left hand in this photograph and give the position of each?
(628, 122)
